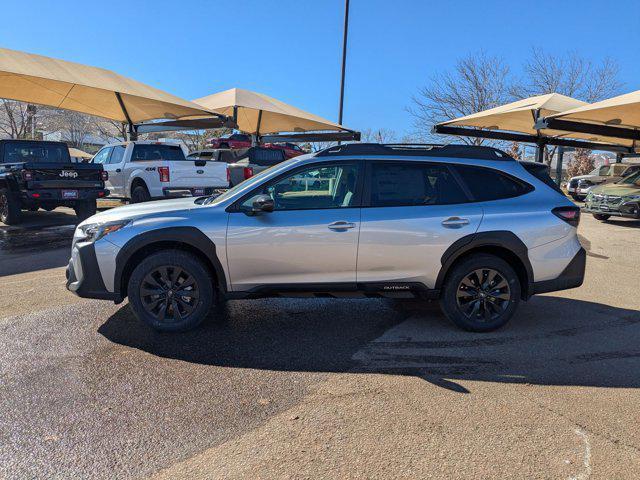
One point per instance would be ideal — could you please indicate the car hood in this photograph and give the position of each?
(139, 210)
(618, 189)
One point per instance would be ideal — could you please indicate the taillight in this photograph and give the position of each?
(104, 175)
(27, 175)
(571, 215)
(248, 172)
(228, 175)
(164, 174)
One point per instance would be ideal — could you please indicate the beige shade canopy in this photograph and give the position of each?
(276, 116)
(520, 117)
(621, 112)
(81, 88)
(517, 116)
(76, 152)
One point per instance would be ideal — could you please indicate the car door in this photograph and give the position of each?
(311, 237)
(412, 212)
(115, 167)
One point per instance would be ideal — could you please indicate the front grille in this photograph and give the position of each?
(610, 200)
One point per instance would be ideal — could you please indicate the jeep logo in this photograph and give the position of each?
(68, 174)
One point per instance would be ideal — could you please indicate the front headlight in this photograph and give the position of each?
(93, 232)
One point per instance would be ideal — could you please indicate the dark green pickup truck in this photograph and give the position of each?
(621, 199)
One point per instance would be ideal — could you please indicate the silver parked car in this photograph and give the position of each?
(463, 224)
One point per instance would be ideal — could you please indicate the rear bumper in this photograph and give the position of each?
(178, 192)
(83, 275)
(571, 277)
(627, 210)
(66, 196)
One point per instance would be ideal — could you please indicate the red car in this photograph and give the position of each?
(234, 141)
(290, 149)
(242, 140)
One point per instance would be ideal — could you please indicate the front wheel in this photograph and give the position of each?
(603, 217)
(85, 209)
(9, 208)
(481, 293)
(171, 291)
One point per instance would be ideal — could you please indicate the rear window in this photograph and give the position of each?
(541, 172)
(36, 152)
(486, 184)
(143, 152)
(266, 157)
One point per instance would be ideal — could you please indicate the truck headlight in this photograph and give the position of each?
(93, 232)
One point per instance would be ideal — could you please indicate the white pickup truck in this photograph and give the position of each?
(145, 170)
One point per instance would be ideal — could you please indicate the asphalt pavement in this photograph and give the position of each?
(318, 388)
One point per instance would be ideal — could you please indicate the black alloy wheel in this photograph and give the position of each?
(483, 295)
(169, 293)
(172, 291)
(480, 293)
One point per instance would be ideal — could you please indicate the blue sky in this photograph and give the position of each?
(291, 50)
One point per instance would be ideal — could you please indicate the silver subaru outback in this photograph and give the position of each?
(466, 225)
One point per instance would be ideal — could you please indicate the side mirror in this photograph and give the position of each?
(262, 204)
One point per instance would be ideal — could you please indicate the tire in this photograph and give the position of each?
(603, 217)
(85, 209)
(493, 309)
(140, 194)
(158, 310)
(9, 208)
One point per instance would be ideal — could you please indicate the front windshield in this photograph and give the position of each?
(601, 171)
(633, 179)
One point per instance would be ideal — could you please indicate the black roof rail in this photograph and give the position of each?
(416, 150)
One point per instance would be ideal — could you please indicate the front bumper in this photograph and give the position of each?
(627, 209)
(179, 192)
(83, 274)
(571, 277)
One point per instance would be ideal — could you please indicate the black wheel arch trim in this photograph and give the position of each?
(186, 235)
(498, 238)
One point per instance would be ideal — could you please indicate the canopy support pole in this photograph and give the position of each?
(255, 139)
(133, 135)
(559, 165)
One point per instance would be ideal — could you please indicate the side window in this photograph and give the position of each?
(413, 183)
(486, 184)
(318, 187)
(102, 156)
(118, 154)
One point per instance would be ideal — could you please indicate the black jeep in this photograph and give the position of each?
(35, 174)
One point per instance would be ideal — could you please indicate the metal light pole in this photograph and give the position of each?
(344, 57)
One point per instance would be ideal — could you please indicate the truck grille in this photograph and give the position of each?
(611, 200)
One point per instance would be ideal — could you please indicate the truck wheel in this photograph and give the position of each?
(140, 194)
(603, 217)
(85, 209)
(171, 291)
(481, 293)
(9, 208)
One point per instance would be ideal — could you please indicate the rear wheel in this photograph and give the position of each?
(9, 208)
(171, 291)
(85, 209)
(603, 217)
(140, 194)
(481, 293)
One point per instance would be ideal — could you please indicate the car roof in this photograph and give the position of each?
(476, 152)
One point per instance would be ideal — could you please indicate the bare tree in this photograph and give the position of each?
(570, 75)
(17, 119)
(381, 135)
(75, 128)
(515, 150)
(478, 82)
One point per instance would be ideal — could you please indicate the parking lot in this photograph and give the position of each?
(318, 388)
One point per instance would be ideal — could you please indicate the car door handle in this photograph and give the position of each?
(118, 170)
(455, 222)
(341, 225)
